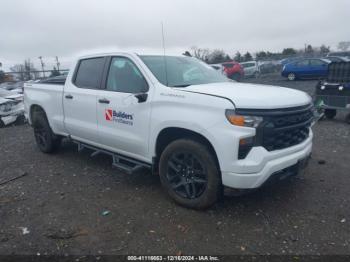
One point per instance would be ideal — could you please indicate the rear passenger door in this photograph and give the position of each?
(79, 100)
(318, 67)
(124, 109)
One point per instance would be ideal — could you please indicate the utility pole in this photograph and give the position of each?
(42, 64)
(58, 64)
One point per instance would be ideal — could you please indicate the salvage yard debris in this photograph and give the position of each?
(25, 230)
(105, 213)
(14, 178)
(63, 234)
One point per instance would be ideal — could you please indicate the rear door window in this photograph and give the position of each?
(316, 62)
(89, 73)
(303, 63)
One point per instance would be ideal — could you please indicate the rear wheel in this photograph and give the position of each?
(291, 77)
(45, 139)
(189, 174)
(330, 113)
(236, 76)
(347, 118)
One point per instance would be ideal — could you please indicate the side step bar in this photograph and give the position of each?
(126, 164)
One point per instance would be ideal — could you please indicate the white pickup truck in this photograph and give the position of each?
(196, 129)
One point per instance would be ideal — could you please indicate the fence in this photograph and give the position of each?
(32, 75)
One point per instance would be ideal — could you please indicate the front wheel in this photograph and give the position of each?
(237, 77)
(190, 175)
(330, 113)
(291, 77)
(347, 119)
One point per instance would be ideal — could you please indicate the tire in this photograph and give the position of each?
(347, 119)
(236, 76)
(20, 120)
(330, 113)
(291, 77)
(189, 174)
(46, 140)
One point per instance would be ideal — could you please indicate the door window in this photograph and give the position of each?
(316, 62)
(125, 77)
(303, 63)
(89, 73)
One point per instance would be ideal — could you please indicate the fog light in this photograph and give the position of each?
(245, 145)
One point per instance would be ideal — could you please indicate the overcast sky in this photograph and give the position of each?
(66, 28)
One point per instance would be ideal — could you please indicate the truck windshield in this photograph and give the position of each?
(176, 71)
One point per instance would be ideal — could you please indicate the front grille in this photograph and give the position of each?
(282, 128)
(283, 139)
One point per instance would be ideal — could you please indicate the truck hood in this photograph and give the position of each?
(253, 96)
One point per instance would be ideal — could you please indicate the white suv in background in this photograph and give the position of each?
(251, 69)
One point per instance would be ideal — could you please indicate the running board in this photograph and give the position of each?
(124, 163)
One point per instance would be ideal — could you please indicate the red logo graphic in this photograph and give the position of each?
(109, 114)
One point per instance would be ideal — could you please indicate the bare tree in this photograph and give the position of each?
(324, 49)
(25, 71)
(217, 56)
(344, 45)
(200, 53)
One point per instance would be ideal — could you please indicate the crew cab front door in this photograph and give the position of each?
(123, 109)
(80, 97)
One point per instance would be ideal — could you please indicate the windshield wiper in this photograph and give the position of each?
(184, 85)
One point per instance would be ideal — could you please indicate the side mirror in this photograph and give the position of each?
(141, 97)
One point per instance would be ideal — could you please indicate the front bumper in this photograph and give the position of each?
(10, 117)
(270, 163)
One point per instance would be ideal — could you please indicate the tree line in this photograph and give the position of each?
(220, 56)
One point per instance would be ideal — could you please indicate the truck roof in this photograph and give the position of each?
(116, 53)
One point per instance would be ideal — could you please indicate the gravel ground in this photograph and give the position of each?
(59, 204)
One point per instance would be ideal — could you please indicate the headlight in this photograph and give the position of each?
(2, 107)
(241, 120)
(6, 107)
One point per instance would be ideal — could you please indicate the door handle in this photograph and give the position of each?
(103, 101)
(69, 96)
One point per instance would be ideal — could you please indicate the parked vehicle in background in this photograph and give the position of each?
(340, 53)
(290, 60)
(59, 80)
(267, 67)
(308, 68)
(233, 70)
(333, 93)
(337, 59)
(16, 87)
(195, 128)
(251, 69)
(218, 67)
(11, 107)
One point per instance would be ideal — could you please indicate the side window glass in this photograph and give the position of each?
(303, 63)
(89, 73)
(316, 62)
(125, 77)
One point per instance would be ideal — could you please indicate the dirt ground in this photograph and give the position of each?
(70, 203)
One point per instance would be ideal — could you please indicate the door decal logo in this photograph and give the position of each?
(109, 114)
(119, 117)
